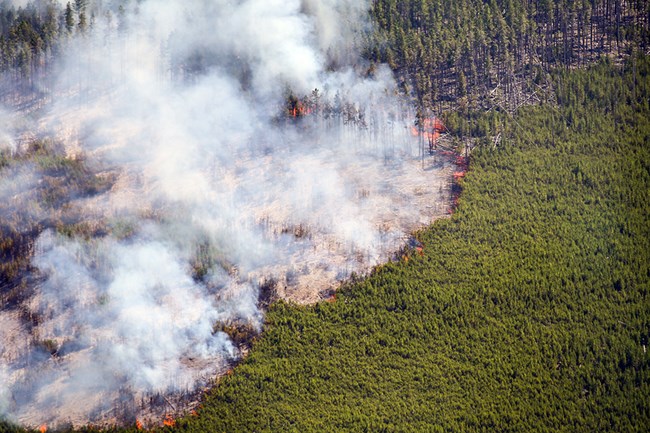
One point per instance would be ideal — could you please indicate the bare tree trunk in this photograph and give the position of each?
(617, 9)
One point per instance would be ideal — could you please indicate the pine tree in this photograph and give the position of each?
(69, 18)
(80, 8)
(83, 23)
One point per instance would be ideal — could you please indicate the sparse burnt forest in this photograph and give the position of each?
(497, 54)
(43, 180)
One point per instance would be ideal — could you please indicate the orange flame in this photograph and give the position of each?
(299, 109)
(138, 424)
(430, 127)
(43, 428)
(169, 421)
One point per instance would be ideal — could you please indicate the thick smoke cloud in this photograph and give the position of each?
(183, 103)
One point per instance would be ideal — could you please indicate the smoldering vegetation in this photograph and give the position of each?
(188, 164)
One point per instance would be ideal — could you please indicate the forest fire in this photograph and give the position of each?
(163, 240)
(298, 107)
(299, 110)
(169, 421)
(429, 128)
(175, 201)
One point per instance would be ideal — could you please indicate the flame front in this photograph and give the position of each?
(169, 421)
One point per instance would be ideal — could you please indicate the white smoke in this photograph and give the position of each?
(183, 102)
(8, 130)
(5, 393)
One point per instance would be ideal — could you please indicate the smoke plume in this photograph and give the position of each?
(246, 144)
